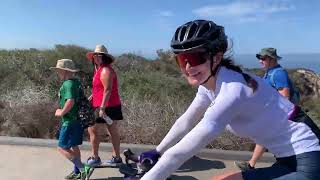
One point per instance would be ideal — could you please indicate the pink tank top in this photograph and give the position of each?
(97, 89)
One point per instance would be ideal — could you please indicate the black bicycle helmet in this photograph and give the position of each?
(199, 34)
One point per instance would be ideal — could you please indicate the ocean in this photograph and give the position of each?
(290, 61)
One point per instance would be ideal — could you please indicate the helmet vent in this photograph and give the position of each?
(192, 30)
(204, 29)
(176, 35)
(182, 33)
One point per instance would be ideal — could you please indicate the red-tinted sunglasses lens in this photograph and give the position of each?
(194, 59)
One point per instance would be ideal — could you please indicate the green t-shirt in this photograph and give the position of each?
(69, 90)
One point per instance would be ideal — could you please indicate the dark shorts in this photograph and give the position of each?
(305, 166)
(70, 135)
(114, 113)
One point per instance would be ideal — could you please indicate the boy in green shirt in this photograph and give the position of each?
(71, 132)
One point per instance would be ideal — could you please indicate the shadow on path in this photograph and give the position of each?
(193, 164)
(198, 164)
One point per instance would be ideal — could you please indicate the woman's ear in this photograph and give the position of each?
(218, 57)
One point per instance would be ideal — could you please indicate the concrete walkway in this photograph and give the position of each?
(38, 159)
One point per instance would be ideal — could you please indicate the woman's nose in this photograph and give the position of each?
(188, 66)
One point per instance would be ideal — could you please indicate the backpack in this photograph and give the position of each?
(85, 110)
(295, 98)
(294, 92)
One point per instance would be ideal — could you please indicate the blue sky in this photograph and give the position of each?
(143, 26)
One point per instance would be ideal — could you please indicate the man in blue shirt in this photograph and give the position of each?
(275, 75)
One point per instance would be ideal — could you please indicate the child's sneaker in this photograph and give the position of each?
(86, 173)
(114, 161)
(93, 162)
(72, 176)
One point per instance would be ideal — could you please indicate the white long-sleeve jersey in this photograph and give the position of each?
(261, 116)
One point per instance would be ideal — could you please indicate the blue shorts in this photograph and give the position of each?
(305, 166)
(70, 135)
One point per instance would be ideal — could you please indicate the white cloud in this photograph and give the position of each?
(166, 13)
(277, 8)
(233, 9)
(163, 20)
(248, 19)
(244, 11)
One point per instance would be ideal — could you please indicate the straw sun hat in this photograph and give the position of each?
(65, 64)
(100, 49)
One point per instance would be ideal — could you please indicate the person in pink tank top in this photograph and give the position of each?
(107, 104)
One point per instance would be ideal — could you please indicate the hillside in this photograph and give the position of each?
(154, 94)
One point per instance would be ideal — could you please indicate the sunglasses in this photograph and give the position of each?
(263, 58)
(97, 55)
(194, 59)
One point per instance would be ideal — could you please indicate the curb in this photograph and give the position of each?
(205, 153)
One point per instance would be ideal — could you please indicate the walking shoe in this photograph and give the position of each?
(114, 161)
(85, 174)
(72, 176)
(243, 165)
(93, 162)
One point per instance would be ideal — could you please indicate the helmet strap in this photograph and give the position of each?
(213, 71)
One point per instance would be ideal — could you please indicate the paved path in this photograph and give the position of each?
(38, 159)
(39, 163)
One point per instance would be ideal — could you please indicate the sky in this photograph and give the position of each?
(143, 26)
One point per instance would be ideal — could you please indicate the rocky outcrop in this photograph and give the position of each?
(310, 82)
(1, 105)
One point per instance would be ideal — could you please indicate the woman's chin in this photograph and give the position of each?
(194, 82)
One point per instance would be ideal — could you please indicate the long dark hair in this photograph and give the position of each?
(229, 64)
(106, 59)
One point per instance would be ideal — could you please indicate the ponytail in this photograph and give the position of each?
(229, 64)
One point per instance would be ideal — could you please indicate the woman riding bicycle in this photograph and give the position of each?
(229, 98)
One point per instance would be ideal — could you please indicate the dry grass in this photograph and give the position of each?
(146, 122)
(27, 112)
(34, 121)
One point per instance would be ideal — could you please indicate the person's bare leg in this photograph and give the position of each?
(257, 154)
(76, 151)
(68, 153)
(228, 176)
(94, 140)
(115, 138)
(73, 154)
